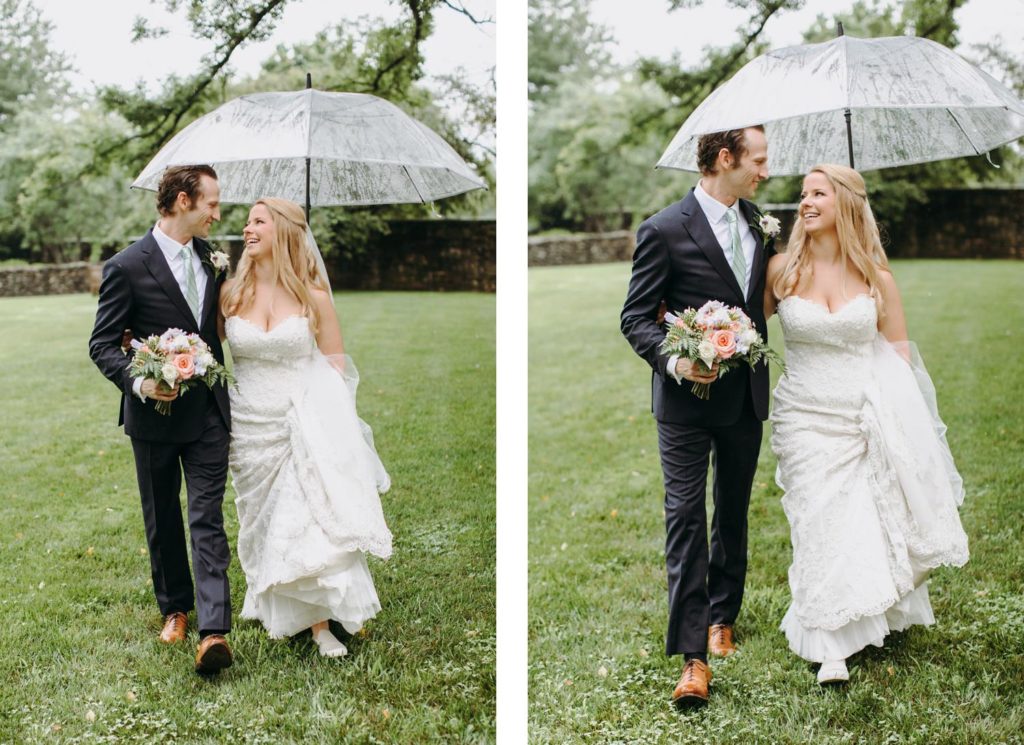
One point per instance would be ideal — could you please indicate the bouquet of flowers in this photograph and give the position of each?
(716, 333)
(175, 357)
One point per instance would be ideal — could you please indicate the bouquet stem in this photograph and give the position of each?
(701, 391)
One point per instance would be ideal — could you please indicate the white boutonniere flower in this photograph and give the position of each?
(220, 260)
(769, 225)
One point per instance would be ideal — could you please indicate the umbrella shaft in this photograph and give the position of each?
(849, 136)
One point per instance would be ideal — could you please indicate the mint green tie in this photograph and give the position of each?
(191, 290)
(739, 263)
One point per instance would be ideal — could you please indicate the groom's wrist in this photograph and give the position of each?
(673, 362)
(137, 388)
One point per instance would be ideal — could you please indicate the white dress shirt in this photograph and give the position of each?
(715, 211)
(172, 252)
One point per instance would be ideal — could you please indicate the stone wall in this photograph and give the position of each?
(55, 279)
(424, 255)
(581, 248)
(438, 255)
(954, 224)
(963, 223)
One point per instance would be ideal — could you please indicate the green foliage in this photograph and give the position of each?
(65, 163)
(597, 668)
(49, 194)
(31, 69)
(563, 43)
(80, 620)
(587, 145)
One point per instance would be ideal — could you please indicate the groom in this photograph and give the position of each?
(706, 247)
(166, 280)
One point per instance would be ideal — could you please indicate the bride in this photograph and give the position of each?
(871, 491)
(306, 474)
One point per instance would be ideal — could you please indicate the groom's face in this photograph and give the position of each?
(205, 210)
(741, 176)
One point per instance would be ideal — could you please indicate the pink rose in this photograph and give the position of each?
(724, 342)
(185, 364)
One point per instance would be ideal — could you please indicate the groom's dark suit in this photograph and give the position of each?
(679, 260)
(140, 292)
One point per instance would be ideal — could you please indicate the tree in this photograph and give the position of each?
(563, 44)
(32, 72)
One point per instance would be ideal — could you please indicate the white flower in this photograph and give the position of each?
(770, 225)
(169, 373)
(706, 351)
(220, 260)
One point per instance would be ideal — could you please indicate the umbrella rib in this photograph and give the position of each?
(413, 182)
(961, 128)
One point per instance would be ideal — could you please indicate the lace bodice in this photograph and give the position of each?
(828, 354)
(307, 479)
(871, 505)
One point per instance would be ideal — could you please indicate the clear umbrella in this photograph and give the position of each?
(875, 103)
(319, 149)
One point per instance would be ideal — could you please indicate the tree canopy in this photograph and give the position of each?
(67, 160)
(597, 129)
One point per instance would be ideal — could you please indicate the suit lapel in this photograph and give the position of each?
(210, 295)
(157, 266)
(697, 225)
(750, 215)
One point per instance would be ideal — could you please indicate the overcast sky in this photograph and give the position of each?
(646, 27)
(98, 42)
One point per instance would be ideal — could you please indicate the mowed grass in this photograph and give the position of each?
(598, 601)
(78, 618)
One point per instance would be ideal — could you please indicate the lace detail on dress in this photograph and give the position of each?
(870, 506)
(307, 481)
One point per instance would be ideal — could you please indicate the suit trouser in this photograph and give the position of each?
(159, 467)
(703, 589)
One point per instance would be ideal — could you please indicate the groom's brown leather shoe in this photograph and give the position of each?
(175, 626)
(214, 654)
(720, 640)
(692, 688)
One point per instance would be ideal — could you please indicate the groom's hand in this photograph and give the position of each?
(156, 389)
(695, 372)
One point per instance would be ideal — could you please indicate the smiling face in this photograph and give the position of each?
(259, 233)
(201, 214)
(741, 176)
(817, 203)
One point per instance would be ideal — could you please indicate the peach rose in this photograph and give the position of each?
(185, 365)
(724, 342)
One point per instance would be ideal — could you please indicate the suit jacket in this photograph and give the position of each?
(139, 292)
(679, 260)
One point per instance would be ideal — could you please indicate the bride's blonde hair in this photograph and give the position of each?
(292, 263)
(856, 229)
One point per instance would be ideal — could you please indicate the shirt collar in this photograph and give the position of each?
(167, 244)
(713, 209)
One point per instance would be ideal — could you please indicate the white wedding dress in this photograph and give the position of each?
(307, 479)
(871, 491)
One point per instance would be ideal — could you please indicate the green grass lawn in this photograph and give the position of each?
(598, 604)
(79, 658)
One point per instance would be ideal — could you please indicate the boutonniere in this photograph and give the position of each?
(767, 225)
(218, 261)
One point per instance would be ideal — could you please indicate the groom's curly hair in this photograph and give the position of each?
(178, 179)
(733, 140)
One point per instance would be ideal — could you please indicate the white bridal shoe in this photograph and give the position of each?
(833, 671)
(329, 644)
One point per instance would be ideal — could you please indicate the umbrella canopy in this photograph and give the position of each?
(910, 100)
(362, 150)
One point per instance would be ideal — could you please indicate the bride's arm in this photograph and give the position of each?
(775, 265)
(220, 314)
(328, 336)
(893, 325)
